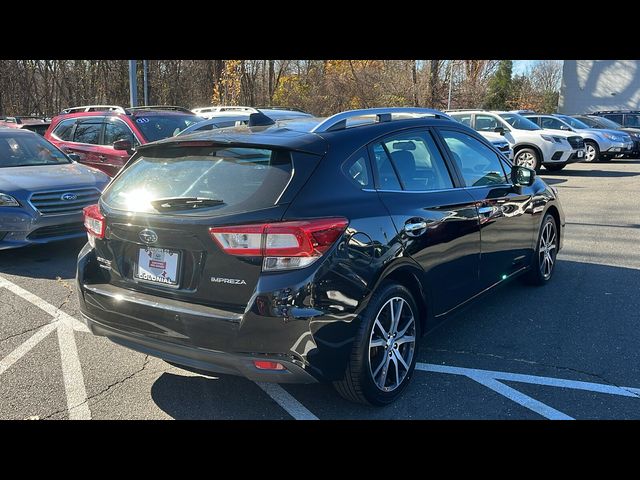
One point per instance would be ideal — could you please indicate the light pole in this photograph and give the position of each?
(450, 83)
(133, 84)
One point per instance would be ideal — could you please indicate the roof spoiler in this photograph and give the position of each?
(259, 119)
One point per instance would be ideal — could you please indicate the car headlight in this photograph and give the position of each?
(8, 201)
(551, 138)
(613, 138)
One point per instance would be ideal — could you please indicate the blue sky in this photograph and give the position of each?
(521, 66)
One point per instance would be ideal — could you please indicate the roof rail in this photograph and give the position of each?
(94, 108)
(160, 107)
(339, 120)
(292, 109)
(465, 110)
(222, 108)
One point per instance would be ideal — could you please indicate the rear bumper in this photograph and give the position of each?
(202, 359)
(311, 337)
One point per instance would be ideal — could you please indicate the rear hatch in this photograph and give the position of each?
(160, 209)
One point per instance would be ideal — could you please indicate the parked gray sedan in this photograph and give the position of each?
(42, 191)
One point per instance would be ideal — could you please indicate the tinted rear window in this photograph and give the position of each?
(157, 127)
(243, 178)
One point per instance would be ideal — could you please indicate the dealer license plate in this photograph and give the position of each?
(158, 265)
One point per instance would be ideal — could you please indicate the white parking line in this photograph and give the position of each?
(71, 369)
(26, 346)
(490, 379)
(522, 399)
(72, 374)
(56, 313)
(283, 398)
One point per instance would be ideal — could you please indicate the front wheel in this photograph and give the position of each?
(527, 157)
(384, 352)
(544, 261)
(554, 167)
(591, 151)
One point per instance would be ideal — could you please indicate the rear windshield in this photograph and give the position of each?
(157, 127)
(27, 149)
(239, 179)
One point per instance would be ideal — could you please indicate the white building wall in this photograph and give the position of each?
(589, 85)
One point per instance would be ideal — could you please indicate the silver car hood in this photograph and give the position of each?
(50, 177)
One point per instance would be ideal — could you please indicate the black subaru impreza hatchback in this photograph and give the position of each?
(317, 249)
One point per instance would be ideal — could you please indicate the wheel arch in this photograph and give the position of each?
(410, 275)
(553, 211)
(520, 146)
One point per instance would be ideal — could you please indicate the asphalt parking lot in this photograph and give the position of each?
(568, 350)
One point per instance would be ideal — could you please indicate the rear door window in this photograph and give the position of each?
(88, 132)
(418, 162)
(241, 179)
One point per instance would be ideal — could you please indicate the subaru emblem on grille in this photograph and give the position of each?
(148, 236)
(69, 197)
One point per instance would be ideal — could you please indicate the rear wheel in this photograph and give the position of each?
(384, 353)
(544, 261)
(591, 151)
(555, 168)
(527, 157)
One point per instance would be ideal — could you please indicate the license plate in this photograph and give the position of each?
(580, 153)
(158, 265)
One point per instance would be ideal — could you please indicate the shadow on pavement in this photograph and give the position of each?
(43, 261)
(582, 325)
(592, 173)
(220, 397)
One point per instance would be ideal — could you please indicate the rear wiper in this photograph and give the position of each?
(184, 202)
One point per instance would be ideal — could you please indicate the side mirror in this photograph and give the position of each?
(123, 145)
(564, 127)
(73, 156)
(499, 130)
(522, 176)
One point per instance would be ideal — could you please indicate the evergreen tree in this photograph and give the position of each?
(500, 87)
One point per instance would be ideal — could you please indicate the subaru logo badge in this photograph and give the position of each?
(148, 236)
(69, 197)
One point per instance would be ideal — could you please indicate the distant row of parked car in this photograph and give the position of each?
(555, 140)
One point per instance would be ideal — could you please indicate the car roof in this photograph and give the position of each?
(131, 114)
(296, 134)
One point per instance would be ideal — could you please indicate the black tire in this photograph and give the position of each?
(554, 167)
(359, 383)
(537, 274)
(518, 159)
(588, 144)
(605, 158)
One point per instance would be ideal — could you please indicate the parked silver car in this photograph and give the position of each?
(42, 191)
(599, 144)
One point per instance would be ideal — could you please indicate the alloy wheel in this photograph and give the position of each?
(526, 159)
(392, 344)
(590, 153)
(547, 250)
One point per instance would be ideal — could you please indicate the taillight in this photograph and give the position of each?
(283, 245)
(94, 221)
(264, 365)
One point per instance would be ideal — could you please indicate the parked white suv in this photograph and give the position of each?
(221, 110)
(532, 146)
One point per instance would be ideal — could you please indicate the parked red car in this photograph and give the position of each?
(104, 137)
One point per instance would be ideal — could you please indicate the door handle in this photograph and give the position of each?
(102, 158)
(414, 229)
